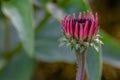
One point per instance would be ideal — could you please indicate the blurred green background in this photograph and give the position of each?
(29, 33)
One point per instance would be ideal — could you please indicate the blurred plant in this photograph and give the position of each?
(29, 30)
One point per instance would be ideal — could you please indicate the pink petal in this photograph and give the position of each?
(65, 17)
(85, 30)
(68, 30)
(80, 15)
(89, 15)
(68, 17)
(81, 31)
(76, 30)
(85, 15)
(91, 33)
(62, 22)
(74, 16)
(71, 29)
(96, 23)
(65, 26)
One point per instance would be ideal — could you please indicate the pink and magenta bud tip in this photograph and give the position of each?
(82, 28)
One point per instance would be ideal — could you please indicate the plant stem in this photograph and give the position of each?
(80, 64)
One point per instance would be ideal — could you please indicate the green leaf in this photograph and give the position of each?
(94, 64)
(84, 5)
(40, 3)
(55, 11)
(21, 14)
(1, 35)
(19, 68)
(2, 63)
(43, 1)
(47, 44)
(75, 6)
(111, 50)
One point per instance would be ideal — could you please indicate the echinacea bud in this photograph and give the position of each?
(81, 29)
(72, 26)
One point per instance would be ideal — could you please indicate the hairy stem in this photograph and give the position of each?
(80, 64)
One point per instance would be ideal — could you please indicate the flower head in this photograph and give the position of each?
(82, 29)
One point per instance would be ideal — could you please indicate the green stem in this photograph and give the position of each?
(80, 64)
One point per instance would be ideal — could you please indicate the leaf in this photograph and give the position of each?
(40, 3)
(1, 35)
(94, 64)
(2, 63)
(95, 46)
(84, 4)
(19, 68)
(47, 44)
(55, 11)
(21, 14)
(111, 50)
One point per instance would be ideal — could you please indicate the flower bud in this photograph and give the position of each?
(80, 31)
(82, 28)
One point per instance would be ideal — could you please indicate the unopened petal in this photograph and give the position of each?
(74, 16)
(65, 25)
(80, 15)
(68, 32)
(91, 30)
(76, 30)
(96, 23)
(81, 31)
(71, 27)
(85, 15)
(85, 30)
